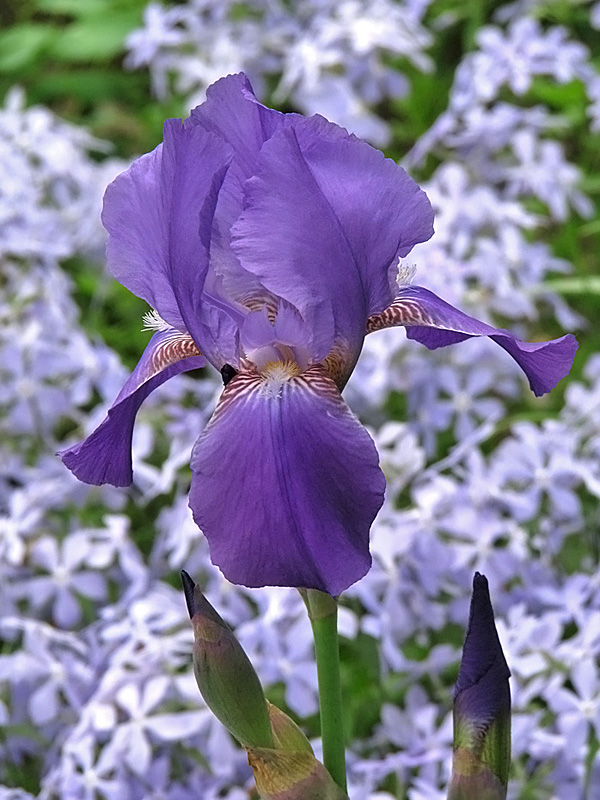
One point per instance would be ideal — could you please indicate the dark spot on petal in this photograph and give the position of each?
(227, 373)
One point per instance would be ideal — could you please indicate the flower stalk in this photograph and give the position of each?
(322, 611)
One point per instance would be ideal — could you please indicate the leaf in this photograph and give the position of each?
(22, 45)
(75, 8)
(95, 38)
(575, 286)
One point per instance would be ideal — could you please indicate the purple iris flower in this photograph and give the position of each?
(268, 245)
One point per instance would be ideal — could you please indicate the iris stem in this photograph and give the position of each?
(322, 611)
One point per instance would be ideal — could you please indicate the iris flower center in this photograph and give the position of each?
(277, 373)
(276, 353)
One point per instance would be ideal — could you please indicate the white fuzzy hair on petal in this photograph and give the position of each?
(406, 273)
(154, 322)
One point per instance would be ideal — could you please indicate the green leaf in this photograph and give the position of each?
(574, 286)
(75, 8)
(96, 38)
(22, 45)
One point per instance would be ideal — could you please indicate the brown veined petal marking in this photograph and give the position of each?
(173, 348)
(403, 311)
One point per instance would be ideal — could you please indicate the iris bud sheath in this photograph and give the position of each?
(224, 674)
(481, 758)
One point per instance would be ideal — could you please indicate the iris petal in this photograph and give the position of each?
(286, 484)
(105, 456)
(232, 113)
(338, 215)
(435, 323)
(301, 258)
(381, 211)
(159, 216)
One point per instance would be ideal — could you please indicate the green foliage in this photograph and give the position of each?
(68, 54)
(109, 311)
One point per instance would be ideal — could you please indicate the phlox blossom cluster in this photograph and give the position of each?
(328, 57)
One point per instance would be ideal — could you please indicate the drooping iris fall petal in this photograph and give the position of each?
(431, 321)
(105, 456)
(286, 484)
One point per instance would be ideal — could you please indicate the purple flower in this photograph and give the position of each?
(482, 692)
(481, 756)
(268, 244)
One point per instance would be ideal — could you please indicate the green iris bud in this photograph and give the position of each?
(279, 753)
(224, 674)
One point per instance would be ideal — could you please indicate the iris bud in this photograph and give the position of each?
(224, 674)
(287, 735)
(287, 775)
(481, 758)
(279, 753)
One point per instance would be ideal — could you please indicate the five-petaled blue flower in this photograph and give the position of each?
(268, 244)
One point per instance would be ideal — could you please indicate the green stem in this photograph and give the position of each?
(322, 610)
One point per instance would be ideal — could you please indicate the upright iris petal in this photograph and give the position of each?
(269, 244)
(152, 213)
(358, 213)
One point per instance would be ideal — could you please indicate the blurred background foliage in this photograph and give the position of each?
(68, 55)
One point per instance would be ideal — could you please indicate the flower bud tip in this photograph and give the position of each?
(188, 590)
